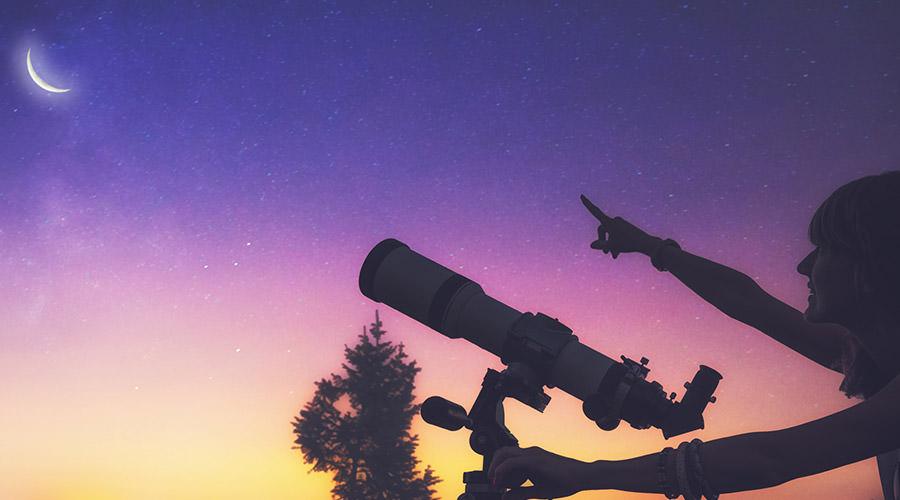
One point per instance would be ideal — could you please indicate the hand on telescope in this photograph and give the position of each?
(617, 235)
(553, 475)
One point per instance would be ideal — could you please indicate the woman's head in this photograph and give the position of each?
(854, 270)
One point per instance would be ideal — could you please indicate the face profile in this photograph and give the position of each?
(853, 271)
(832, 286)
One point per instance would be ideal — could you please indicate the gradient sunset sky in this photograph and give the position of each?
(182, 232)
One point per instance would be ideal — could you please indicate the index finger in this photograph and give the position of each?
(594, 209)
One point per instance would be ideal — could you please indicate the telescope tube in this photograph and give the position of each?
(458, 307)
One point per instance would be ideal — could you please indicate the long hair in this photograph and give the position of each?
(861, 219)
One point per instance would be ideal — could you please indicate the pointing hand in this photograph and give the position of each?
(616, 235)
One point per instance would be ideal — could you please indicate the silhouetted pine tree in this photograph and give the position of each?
(368, 447)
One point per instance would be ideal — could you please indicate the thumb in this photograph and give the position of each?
(525, 493)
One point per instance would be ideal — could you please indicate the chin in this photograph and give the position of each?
(816, 319)
(813, 315)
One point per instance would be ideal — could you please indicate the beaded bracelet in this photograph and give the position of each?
(682, 472)
(697, 468)
(662, 479)
(694, 471)
(671, 474)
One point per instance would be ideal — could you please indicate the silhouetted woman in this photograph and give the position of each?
(851, 325)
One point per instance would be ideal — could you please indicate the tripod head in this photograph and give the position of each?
(486, 421)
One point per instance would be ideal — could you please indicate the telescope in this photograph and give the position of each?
(545, 351)
(538, 351)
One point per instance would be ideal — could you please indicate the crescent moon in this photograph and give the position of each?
(40, 81)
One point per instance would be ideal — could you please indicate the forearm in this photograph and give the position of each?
(635, 474)
(764, 459)
(725, 288)
(737, 463)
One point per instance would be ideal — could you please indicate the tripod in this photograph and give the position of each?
(485, 420)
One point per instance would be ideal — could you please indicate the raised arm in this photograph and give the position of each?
(731, 291)
(740, 297)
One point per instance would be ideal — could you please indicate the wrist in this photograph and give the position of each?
(596, 476)
(657, 256)
(649, 245)
(637, 474)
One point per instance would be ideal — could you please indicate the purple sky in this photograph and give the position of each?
(214, 179)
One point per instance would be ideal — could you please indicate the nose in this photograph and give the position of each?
(805, 265)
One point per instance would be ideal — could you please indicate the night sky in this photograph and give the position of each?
(182, 232)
